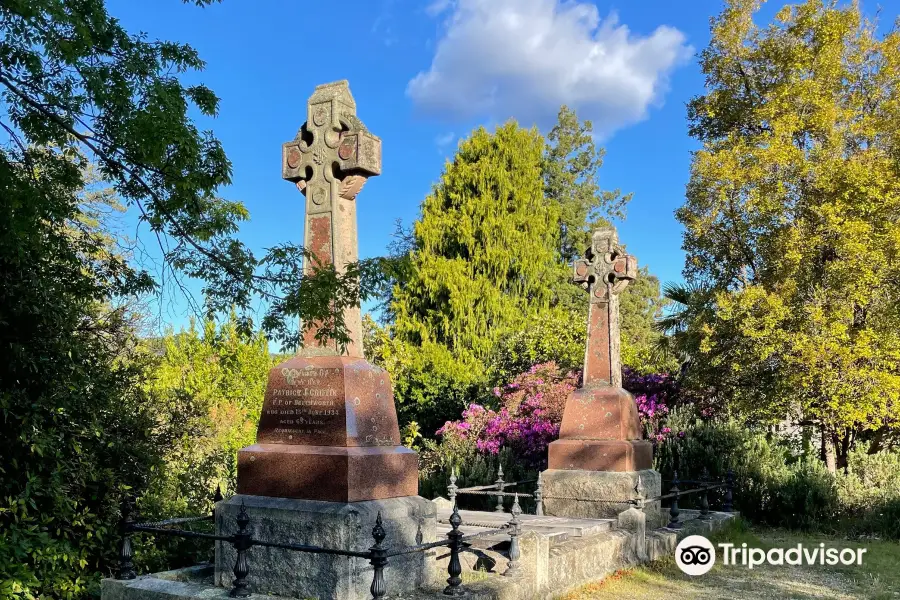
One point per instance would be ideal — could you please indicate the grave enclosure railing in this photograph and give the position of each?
(498, 490)
(378, 554)
(704, 486)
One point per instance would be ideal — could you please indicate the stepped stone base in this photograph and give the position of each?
(594, 494)
(550, 566)
(407, 521)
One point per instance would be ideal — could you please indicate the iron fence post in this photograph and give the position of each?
(242, 543)
(512, 567)
(729, 491)
(704, 497)
(673, 511)
(126, 566)
(539, 496)
(454, 569)
(499, 484)
(378, 560)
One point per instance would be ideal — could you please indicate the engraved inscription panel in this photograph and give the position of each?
(304, 406)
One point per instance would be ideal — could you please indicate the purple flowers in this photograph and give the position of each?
(527, 418)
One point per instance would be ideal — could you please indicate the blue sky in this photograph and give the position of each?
(425, 73)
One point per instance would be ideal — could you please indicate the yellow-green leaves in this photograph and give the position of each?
(792, 216)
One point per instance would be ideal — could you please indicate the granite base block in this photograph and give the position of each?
(346, 526)
(600, 455)
(593, 494)
(327, 473)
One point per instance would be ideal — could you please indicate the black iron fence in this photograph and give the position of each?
(704, 486)
(498, 490)
(378, 554)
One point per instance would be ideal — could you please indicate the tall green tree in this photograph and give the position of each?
(571, 171)
(78, 433)
(792, 219)
(484, 247)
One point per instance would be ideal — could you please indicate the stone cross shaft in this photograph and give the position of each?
(330, 160)
(605, 271)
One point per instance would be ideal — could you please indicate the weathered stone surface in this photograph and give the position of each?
(591, 494)
(601, 455)
(605, 271)
(548, 569)
(328, 401)
(328, 431)
(330, 159)
(601, 429)
(634, 521)
(328, 525)
(600, 413)
(327, 473)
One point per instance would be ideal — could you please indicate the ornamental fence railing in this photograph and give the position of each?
(498, 490)
(378, 554)
(704, 486)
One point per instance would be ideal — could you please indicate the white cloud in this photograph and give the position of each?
(524, 58)
(444, 139)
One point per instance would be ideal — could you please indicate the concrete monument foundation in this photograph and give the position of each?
(592, 494)
(346, 526)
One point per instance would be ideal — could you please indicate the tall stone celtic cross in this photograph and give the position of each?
(330, 160)
(605, 271)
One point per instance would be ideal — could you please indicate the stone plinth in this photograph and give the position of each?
(328, 431)
(591, 494)
(347, 526)
(327, 473)
(601, 455)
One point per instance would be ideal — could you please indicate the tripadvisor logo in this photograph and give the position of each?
(695, 555)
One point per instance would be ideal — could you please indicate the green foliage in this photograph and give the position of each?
(553, 335)
(206, 393)
(484, 246)
(571, 181)
(78, 433)
(777, 486)
(481, 284)
(472, 469)
(208, 386)
(640, 305)
(72, 78)
(431, 385)
(792, 219)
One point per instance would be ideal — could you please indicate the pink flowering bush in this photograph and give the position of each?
(526, 418)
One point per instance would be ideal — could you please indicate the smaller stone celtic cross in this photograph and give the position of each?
(329, 161)
(604, 271)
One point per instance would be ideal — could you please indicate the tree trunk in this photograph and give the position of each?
(828, 457)
(877, 441)
(842, 449)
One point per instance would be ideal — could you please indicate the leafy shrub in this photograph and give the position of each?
(207, 393)
(556, 335)
(526, 421)
(774, 487)
(431, 384)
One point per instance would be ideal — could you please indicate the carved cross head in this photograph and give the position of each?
(606, 269)
(333, 153)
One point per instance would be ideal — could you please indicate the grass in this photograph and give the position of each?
(878, 578)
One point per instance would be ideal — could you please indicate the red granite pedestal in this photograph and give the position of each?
(600, 431)
(595, 466)
(328, 431)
